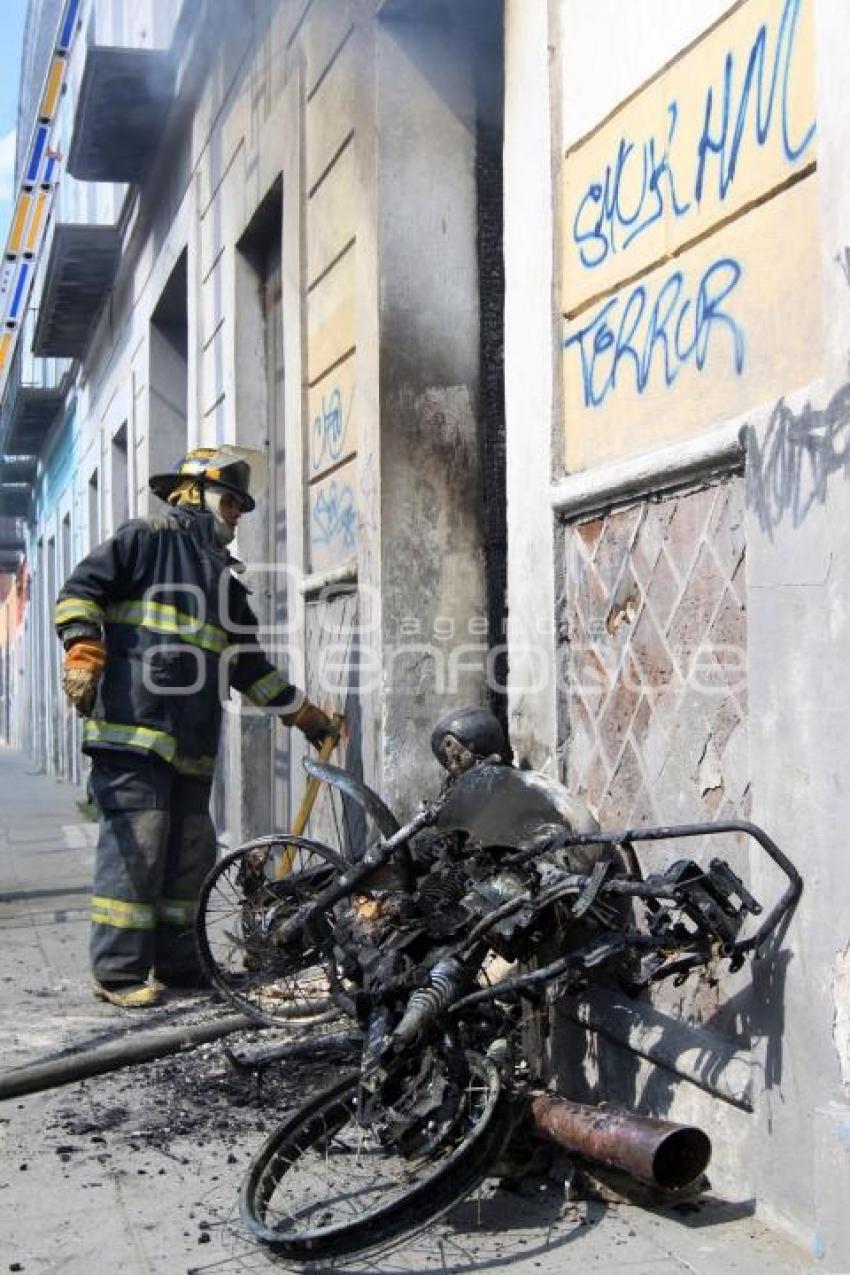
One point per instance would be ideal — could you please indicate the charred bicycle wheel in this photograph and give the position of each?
(351, 1171)
(243, 902)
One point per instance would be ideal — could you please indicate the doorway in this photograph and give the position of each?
(169, 371)
(260, 284)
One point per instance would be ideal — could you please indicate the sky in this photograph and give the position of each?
(12, 15)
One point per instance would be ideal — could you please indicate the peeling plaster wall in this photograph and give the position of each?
(432, 578)
(799, 561)
(841, 1016)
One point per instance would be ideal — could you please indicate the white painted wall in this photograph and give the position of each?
(610, 47)
(529, 379)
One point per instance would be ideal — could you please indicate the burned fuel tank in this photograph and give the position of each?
(497, 805)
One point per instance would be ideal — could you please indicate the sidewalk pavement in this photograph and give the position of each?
(138, 1171)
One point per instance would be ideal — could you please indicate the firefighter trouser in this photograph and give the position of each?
(156, 845)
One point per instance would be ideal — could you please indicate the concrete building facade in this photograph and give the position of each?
(266, 235)
(676, 370)
(320, 230)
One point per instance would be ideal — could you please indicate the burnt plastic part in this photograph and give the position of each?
(375, 857)
(707, 905)
(494, 922)
(503, 907)
(657, 967)
(589, 894)
(359, 792)
(732, 885)
(664, 1154)
(377, 1040)
(362, 795)
(497, 805)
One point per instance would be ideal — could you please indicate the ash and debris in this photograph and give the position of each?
(195, 1095)
(164, 1146)
(174, 1135)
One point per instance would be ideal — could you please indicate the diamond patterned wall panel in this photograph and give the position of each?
(653, 676)
(653, 630)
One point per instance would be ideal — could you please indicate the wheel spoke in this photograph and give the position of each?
(237, 944)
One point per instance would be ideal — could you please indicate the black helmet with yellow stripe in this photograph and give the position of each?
(205, 467)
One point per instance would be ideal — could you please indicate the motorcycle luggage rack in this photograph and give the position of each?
(725, 876)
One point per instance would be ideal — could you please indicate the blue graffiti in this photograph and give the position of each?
(646, 182)
(603, 203)
(726, 143)
(329, 429)
(334, 516)
(635, 334)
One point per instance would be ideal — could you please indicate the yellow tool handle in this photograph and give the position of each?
(283, 866)
(311, 792)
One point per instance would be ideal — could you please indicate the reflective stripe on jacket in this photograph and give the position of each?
(179, 632)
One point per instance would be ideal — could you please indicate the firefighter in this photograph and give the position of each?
(154, 623)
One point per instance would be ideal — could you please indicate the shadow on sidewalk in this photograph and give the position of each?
(59, 892)
(706, 1211)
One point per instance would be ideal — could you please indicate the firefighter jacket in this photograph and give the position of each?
(179, 632)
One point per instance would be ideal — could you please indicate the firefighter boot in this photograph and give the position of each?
(127, 995)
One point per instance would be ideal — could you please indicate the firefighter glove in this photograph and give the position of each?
(312, 722)
(81, 670)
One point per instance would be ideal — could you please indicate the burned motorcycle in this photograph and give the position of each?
(500, 894)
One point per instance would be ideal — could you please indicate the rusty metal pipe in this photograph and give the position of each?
(656, 1151)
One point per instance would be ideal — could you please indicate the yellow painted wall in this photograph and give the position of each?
(326, 39)
(331, 419)
(690, 276)
(333, 518)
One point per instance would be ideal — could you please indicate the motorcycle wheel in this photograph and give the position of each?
(262, 882)
(323, 1186)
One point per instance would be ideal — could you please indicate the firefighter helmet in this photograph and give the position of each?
(209, 466)
(465, 736)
